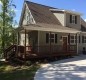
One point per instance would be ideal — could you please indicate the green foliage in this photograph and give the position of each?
(7, 21)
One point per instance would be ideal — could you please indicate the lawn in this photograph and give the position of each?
(10, 72)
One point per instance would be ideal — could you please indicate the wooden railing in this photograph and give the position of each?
(9, 51)
(46, 49)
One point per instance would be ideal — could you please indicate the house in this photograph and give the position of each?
(49, 32)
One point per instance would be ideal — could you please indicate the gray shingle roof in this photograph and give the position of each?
(49, 28)
(42, 14)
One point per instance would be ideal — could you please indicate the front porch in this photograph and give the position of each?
(33, 43)
(41, 42)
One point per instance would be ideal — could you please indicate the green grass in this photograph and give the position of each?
(9, 72)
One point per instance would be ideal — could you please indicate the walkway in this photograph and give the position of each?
(68, 69)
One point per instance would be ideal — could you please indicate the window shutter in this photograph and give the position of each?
(79, 39)
(55, 38)
(82, 39)
(75, 19)
(70, 18)
(47, 37)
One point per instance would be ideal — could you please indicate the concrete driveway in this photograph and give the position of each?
(68, 69)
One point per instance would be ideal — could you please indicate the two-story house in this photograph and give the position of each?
(50, 32)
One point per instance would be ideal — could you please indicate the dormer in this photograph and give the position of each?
(68, 18)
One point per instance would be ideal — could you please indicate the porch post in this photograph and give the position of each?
(69, 43)
(38, 41)
(76, 44)
(25, 45)
(50, 43)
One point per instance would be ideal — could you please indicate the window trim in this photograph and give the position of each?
(73, 19)
(52, 38)
(84, 39)
(73, 39)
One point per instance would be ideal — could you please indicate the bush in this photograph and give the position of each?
(28, 63)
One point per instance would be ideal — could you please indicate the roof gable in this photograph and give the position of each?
(42, 14)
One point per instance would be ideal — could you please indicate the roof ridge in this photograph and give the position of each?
(40, 4)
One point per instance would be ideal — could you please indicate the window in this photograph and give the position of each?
(73, 39)
(73, 19)
(83, 39)
(51, 38)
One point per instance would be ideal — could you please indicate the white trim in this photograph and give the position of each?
(51, 38)
(84, 40)
(31, 27)
(73, 19)
(65, 17)
(67, 11)
(73, 39)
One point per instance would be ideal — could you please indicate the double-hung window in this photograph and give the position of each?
(83, 39)
(73, 19)
(73, 39)
(51, 37)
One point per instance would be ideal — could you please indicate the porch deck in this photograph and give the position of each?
(39, 52)
(46, 52)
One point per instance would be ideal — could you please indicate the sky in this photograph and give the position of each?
(75, 5)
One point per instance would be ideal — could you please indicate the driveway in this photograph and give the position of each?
(68, 69)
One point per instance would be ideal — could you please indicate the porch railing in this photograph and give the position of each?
(10, 51)
(47, 49)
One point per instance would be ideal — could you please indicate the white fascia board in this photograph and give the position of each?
(51, 29)
(67, 11)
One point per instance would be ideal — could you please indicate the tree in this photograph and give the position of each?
(6, 23)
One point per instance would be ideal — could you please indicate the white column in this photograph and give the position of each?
(77, 42)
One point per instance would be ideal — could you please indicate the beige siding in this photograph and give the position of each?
(42, 41)
(42, 38)
(33, 38)
(75, 26)
(81, 45)
(60, 17)
(22, 39)
(30, 17)
(55, 47)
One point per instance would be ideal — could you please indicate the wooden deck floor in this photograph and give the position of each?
(48, 55)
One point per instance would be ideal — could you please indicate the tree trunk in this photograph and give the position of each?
(3, 29)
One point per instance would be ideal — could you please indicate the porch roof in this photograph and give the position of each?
(49, 27)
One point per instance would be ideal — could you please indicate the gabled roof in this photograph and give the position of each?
(42, 13)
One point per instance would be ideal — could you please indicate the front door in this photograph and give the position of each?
(64, 44)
